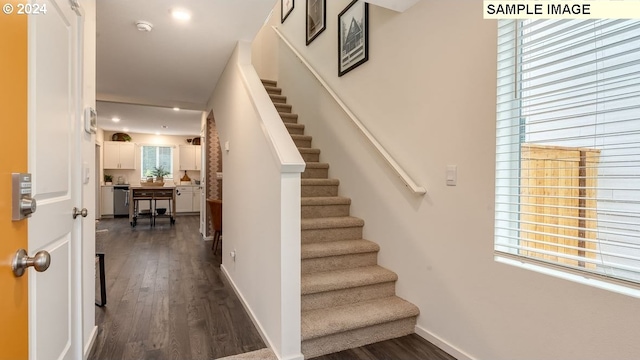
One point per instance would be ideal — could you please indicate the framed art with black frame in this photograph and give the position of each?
(353, 36)
(316, 18)
(286, 7)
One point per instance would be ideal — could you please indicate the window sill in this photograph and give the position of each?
(594, 280)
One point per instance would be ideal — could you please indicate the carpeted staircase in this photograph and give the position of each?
(347, 299)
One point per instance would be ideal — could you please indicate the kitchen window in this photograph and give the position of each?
(156, 156)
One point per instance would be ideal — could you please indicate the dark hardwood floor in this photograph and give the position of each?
(166, 296)
(167, 299)
(411, 347)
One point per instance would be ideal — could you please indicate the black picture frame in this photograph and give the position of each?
(286, 7)
(353, 36)
(316, 19)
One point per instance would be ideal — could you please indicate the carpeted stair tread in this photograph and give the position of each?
(280, 99)
(331, 223)
(273, 90)
(267, 82)
(308, 150)
(319, 182)
(345, 278)
(325, 200)
(262, 354)
(288, 117)
(319, 187)
(285, 108)
(317, 165)
(323, 322)
(302, 137)
(337, 248)
(298, 129)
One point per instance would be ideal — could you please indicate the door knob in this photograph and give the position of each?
(21, 261)
(77, 212)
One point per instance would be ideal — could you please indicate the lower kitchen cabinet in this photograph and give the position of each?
(188, 199)
(106, 201)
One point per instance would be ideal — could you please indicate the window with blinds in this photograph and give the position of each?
(568, 145)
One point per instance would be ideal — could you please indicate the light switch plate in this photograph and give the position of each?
(452, 175)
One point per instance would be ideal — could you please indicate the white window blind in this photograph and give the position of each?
(568, 145)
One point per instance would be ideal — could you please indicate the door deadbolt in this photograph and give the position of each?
(77, 212)
(21, 261)
(23, 205)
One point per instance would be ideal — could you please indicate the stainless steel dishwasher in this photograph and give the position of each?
(120, 200)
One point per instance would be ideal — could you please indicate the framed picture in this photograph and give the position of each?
(286, 6)
(316, 18)
(353, 36)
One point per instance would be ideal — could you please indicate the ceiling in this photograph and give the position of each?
(142, 76)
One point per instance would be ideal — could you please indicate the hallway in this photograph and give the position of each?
(166, 296)
(168, 299)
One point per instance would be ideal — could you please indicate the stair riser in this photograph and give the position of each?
(310, 157)
(274, 91)
(295, 131)
(289, 119)
(320, 211)
(347, 296)
(302, 143)
(339, 262)
(283, 108)
(319, 190)
(269, 83)
(333, 234)
(315, 174)
(358, 337)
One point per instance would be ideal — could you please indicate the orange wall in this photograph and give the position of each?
(13, 158)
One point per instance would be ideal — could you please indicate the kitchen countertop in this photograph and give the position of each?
(141, 185)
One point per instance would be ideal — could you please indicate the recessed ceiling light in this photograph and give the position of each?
(180, 14)
(176, 109)
(115, 119)
(144, 26)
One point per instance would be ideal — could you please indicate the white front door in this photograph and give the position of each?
(54, 155)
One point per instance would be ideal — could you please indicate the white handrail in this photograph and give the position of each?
(406, 179)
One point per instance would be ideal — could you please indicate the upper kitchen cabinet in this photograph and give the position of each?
(119, 155)
(190, 157)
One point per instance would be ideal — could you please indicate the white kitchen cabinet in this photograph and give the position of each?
(106, 201)
(188, 199)
(119, 155)
(184, 199)
(190, 157)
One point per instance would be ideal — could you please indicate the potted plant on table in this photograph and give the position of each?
(108, 179)
(159, 172)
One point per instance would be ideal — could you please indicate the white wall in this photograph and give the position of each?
(261, 213)
(428, 93)
(89, 329)
(265, 46)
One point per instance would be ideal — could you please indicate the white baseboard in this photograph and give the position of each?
(442, 344)
(89, 345)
